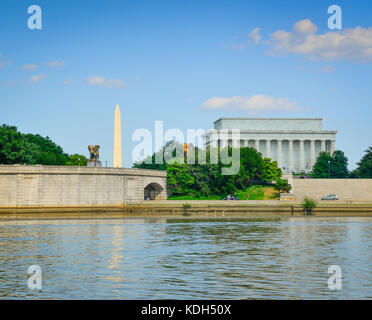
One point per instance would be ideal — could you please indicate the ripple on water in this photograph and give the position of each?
(187, 258)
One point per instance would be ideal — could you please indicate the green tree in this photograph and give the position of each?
(179, 179)
(76, 160)
(282, 186)
(168, 151)
(251, 167)
(335, 165)
(321, 166)
(339, 165)
(354, 174)
(12, 148)
(270, 171)
(365, 165)
(18, 148)
(43, 151)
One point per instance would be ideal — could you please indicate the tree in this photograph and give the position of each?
(282, 186)
(321, 166)
(169, 150)
(334, 166)
(77, 160)
(251, 166)
(44, 151)
(365, 165)
(18, 148)
(12, 148)
(270, 171)
(179, 180)
(339, 165)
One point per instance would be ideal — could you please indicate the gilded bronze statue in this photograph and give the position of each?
(93, 153)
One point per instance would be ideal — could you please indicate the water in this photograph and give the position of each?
(187, 258)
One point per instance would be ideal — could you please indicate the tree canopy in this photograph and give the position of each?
(18, 148)
(206, 179)
(364, 169)
(334, 166)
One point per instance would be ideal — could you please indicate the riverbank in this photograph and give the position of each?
(270, 208)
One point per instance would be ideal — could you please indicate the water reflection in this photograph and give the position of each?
(187, 258)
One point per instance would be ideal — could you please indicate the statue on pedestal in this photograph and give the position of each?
(94, 156)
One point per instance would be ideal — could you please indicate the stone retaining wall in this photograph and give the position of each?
(60, 186)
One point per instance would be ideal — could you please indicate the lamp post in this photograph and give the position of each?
(329, 169)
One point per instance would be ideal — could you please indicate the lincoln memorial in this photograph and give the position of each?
(293, 142)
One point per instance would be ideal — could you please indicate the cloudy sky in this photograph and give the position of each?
(186, 63)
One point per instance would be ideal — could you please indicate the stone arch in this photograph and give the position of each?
(153, 191)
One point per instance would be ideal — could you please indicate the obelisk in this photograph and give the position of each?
(117, 138)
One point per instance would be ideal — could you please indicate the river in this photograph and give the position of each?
(179, 258)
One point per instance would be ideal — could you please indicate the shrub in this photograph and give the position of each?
(308, 204)
(186, 206)
(282, 186)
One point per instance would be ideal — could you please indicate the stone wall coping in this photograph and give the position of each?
(40, 169)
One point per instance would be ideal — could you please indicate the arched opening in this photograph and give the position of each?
(153, 191)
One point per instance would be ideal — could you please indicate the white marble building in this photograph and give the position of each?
(293, 142)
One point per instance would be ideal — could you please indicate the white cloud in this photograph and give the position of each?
(35, 79)
(29, 66)
(257, 102)
(67, 81)
(254, 35)
(3, 64)
(55, 64)
(347, 44)
(108, 83)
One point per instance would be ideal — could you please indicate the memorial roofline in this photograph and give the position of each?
(244, 131)
(268, 119)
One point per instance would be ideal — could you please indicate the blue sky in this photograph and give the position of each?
(166, 60)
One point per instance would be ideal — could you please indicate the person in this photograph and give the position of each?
(228, 197)
(247, 195)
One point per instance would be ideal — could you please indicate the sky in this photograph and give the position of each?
(186, 63)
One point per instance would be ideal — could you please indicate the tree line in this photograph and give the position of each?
(206, 180)
(19, 148)
(335, 166)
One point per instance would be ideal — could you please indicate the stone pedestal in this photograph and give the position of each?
(94, 163)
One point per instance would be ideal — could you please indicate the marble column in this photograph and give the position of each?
(224, 143)
(302, 155)
(268, 149)
(257, 145)
(291, 157)
(246, 143)
(280, 156)
(323, 146)
(312, 153)
(332, 150)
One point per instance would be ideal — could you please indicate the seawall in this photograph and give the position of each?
(348, 190)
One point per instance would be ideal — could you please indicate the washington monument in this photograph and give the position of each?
(117, 138)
